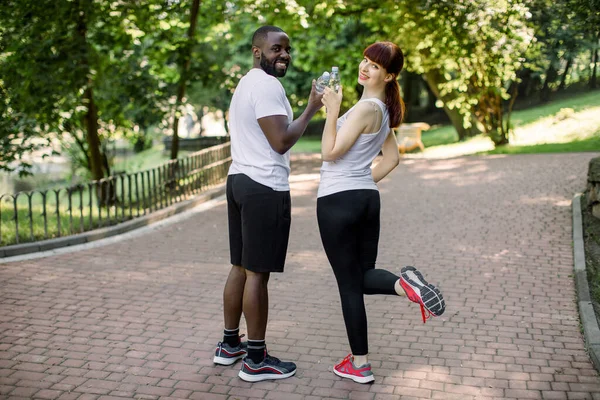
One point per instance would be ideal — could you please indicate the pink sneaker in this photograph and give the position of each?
(347, 369)
(418, 290)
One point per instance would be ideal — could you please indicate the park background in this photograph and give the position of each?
(97, 81)
(108, 92)
(93, 93)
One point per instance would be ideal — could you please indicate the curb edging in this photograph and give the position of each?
(591, 330)
(102, 233)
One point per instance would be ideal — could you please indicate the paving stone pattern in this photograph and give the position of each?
(141, 318)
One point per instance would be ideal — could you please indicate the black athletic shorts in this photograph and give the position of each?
(259, 224)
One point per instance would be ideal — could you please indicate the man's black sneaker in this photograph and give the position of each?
(269, 368)
(227, 355)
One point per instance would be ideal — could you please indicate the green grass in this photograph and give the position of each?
(153, 190)
(80, 216)
(307, 145)
(144, 160)
(77, 218)
(439, 136)
(590, 144)
(577, 103)
(34, 228)
(565, 125)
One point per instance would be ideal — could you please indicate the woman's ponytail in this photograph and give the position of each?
(394, 103)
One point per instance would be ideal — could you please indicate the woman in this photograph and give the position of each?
(348, 200)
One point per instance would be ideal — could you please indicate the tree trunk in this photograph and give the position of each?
(92, 138)
(175, 140)
(200, 118)
(407, 93)
(490, 113)
(551, 75)
(433, 79)
(524, 87)
(410, 88)
(511, 104)
(407, 79)
(225, 125)
(593, 79)
(105, 191)
(184, 70)
(563, 78)
(431, 99)
(91, 116)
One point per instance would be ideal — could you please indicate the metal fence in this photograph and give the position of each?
(38, 215)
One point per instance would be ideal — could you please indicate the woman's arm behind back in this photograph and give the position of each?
(390, 159)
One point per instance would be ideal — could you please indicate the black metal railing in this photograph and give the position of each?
(38, 215)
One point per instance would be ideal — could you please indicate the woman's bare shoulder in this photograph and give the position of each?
(366, 108)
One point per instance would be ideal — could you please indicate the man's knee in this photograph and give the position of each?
(262, 277)
(238, 269)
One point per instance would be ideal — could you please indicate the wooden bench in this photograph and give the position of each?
(408, 136)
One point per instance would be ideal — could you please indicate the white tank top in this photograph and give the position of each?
(353, 170)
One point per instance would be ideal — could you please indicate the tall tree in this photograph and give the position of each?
(185, 59)
(559, 39)
(187, 45)
(69, 69)
(466, 50)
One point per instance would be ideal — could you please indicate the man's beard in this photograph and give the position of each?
(270, 68)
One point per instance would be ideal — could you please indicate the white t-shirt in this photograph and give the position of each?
(258, 95)
(353, 170)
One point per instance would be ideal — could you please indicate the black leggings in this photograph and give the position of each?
(349, 226)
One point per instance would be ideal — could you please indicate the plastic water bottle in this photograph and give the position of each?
(334, 79)
(322, 82)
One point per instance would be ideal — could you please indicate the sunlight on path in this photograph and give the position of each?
(563, 127)
(475, 145)
(553, 129)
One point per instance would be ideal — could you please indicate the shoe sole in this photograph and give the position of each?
(430, 296)
(357, 379)
(227, 361)
(263, 377)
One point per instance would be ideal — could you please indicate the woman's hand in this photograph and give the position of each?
(332, 100)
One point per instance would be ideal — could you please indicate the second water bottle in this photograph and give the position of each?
(322, 82)
(334, 79)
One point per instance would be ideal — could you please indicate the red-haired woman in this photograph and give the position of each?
(348, 204)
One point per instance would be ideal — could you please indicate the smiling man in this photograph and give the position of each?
(258, 201)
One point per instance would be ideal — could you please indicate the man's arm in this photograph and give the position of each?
(280, 134)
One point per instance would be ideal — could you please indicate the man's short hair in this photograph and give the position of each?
(261, 34)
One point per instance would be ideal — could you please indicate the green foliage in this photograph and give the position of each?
(52, 52)
(17, 136)
(469, 52)
(131, 56)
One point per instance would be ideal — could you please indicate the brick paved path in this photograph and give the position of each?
(140, 318)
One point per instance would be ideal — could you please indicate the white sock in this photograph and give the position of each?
(359, 360)
(398, 288)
